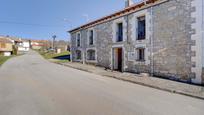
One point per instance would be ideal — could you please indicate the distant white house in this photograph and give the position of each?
(24, 46)
(21, 45)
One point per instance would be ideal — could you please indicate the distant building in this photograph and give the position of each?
(36, 45)
(21, 45)
(40, 44)
(161, 37)
(6, 46)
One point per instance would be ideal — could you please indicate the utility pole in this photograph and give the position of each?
(53, 42)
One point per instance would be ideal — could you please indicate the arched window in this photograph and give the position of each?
(78, 54)
(91, 55)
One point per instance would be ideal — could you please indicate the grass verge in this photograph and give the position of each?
(3, 59)
(55, 57)
(49, 55)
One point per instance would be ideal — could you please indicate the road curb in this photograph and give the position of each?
(139, 83)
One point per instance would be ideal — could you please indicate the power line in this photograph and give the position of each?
(29, 24)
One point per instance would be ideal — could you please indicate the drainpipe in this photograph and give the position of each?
(152, 43)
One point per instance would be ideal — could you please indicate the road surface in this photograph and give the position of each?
(30, 85)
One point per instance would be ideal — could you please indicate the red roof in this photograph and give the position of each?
(133, 8)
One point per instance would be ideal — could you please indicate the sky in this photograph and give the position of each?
(41, 19)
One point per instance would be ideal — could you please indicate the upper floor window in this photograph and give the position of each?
(119, 32)
(78, 40)
(141, 54)
(91, 37)
(141, 34)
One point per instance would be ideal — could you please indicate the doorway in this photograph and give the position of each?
(118, 59)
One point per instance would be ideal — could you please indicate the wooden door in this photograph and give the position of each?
(120, 59)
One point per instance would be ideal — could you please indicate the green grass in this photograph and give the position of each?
(60, 61)
(3, 59)
(49, 55)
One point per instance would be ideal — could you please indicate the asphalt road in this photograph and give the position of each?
(30, 85)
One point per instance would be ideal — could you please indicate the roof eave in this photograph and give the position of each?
(114, 15)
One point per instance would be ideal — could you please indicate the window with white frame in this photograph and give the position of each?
(119, 32)
(140, 54)
(91, 37)
(91, 55)
(78, 40)
(141, 32)
(78, 54)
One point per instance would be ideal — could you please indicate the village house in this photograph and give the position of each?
(37, 44)
(22, 45)
(160, 37)
(6, 46)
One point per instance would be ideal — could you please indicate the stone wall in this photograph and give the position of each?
(132, 43)
(172, 39)
(104, 36)
(203, 76)
(169, 28)
(82, 47)
(129, 46)
(73, 46)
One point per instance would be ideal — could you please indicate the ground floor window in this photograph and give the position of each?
(78, 55)
(91, 55)
(141, 54)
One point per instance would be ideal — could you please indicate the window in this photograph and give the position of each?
(91, 55)
(119, 32)
(78, 40)
(91, 37)
(78, 55)
(141, 34)
(141, 54)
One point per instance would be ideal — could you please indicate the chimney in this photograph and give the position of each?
(128, 3)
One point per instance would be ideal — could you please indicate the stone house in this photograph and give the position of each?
(6, 46)
(160, 37)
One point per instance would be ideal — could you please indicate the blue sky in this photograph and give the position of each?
(40, 19)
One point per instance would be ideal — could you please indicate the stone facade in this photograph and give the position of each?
(103, 38)
(203, 76)
(172, 39)
(170, 44)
